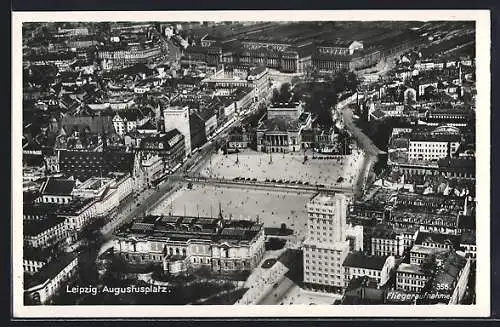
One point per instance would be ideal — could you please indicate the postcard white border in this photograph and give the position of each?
(481, 309)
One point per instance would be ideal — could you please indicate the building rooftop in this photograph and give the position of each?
(58, 187)
(36, 227)
(49, 271)
(187, 228)
(468, 238)
(360, 260)
(85, 164)
(466, 222)
(426, 250)
(410, 268)
(442, 239)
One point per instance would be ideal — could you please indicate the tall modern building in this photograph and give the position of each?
(326, 245)
(178, 117)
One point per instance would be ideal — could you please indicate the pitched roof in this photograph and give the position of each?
(437, 238)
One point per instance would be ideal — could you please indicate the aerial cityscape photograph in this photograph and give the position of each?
(249, 163)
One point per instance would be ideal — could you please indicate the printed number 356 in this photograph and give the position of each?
(441, 287)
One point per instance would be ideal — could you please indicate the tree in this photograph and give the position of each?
(352, 81)
(285, 92)
(276, 95)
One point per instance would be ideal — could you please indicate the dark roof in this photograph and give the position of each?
(56, 186)
(378, 114)
(147, 125)
(36, 227)
(206, 114)
(96, 124)
(360, 260)
(277, 124)
(466, 222)
(49, 271)
(85, 164)
(437, 238)
(457, 163)
(468, 238)
(383, 232)
(37, 254)
(131, 114)
(257, 70)
(435, 138)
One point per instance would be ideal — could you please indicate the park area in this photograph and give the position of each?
(272, 208)
(338, 171)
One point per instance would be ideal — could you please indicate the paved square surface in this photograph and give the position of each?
(272, 207)
(285, 167)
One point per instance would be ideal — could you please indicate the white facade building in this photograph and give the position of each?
(326, 247)
(177, 117)
(432, 148)
(42, 286)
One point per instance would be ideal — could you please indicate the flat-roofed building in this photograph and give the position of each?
(177, 117)
(374, 266)
(419, 253)
(432, 147)
(44, 284)
(326, 245)
(57, 190)
(43, 233)
(215, 243)
(468, 245)
(410, 278)
(93, 187)
(289, 111)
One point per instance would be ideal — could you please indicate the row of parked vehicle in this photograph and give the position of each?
(280, 181)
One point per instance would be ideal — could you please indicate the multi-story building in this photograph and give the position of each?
(44, 233)
(281, 131)
(85, 164)
(289, 111)
(216, 243)
(410, 278)
(35, 259)
(258, 79)
(420, 253)
(56, 190)
(326, 246)
(169, 146)
(432, 147)
(44, 284)
(118, 58)
(386, 242)
(177, 117)
(128, 120)
(433, 222)
(374, 266)
(148, 168)
(437, 240)
(468, 245)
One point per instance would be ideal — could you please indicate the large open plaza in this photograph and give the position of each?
(271, 207)
(339, 171)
